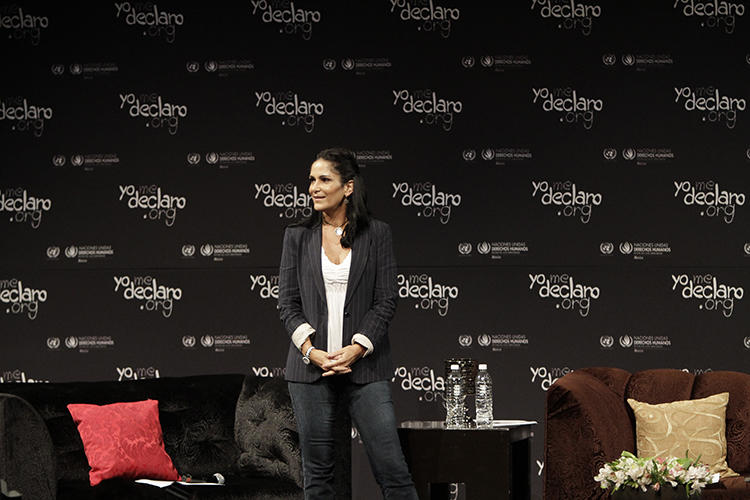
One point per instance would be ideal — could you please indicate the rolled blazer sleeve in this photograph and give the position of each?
(374, 324)
(290, 300)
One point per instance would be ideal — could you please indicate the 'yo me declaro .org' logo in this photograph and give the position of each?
(706, 289)
(139, 373)
(19, 377)
(22, 207)
(547, 376)
(157, 205)
(295, 112)
(573, 108)
(20, 299)
(571, 201)
(709, 101)
(293, 20)
(569, 14)
(426, 197)
(716, 14)
(426, 104)
(22, 25)
(427, 293)
(292, 202)
(430, 17)
(422, 379)
(147, 290)
(24, 116)
(713, 201)
(267, 285)
(267, 372)
(154, 21)
(157, 112)
(570, 295)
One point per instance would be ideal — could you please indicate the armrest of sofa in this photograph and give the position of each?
(266, 432)
(587, 425)
(27, 456)
(737, 384)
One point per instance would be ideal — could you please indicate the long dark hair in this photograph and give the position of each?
(345, 163)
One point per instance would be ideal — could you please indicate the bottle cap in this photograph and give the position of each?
(454, 367)
(482, 366)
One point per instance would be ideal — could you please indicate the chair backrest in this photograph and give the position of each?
(660, 386)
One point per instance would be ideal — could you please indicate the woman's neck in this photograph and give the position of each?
(335, 217)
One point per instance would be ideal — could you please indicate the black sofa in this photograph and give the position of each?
(240, 426)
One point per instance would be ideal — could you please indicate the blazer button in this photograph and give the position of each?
(346, 314)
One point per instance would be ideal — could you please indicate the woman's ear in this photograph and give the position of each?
(349, 187)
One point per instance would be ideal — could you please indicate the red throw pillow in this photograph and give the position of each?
(123, 440)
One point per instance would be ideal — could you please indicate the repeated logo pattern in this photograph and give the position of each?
(559, 193)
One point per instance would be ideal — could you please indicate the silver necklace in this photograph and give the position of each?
(339, 230)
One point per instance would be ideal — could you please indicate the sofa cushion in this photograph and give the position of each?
(123, 489)
(197, 415)
(738, 412)
(730, 488)
(111, 489)
(123, 440)
(693, 427)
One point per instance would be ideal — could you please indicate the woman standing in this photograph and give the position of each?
(337, 295)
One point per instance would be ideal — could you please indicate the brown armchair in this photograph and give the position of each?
(589, 423)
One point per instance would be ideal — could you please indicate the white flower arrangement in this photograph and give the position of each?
(629, 471)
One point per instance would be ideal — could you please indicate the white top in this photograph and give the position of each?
(335, 278)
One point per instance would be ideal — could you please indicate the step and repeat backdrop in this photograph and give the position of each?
(566, 182)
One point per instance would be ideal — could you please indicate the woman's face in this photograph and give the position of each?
(326, 188)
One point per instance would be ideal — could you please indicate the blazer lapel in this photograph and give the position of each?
(314, 256)
(360, 252)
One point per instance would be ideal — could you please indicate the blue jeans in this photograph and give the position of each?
(371, 409)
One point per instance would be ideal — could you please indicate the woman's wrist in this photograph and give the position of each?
(301, 334)
(318, 358)
(360, 350)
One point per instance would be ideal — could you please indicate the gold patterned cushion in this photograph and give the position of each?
(695, 426)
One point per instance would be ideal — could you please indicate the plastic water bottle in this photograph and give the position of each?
(455, 416)
(483, 390)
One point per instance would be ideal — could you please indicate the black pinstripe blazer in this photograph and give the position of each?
(370, 302)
